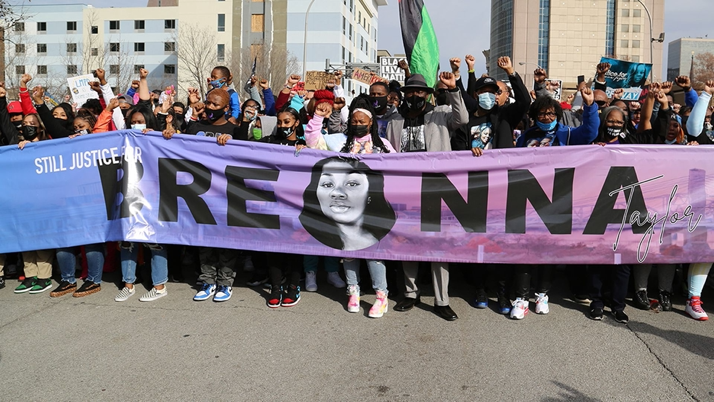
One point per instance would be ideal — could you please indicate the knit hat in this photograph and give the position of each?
(324, 96)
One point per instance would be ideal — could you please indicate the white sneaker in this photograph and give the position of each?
(353, 302)
(694, 309)
(333, 278)
(154, 294)
(125, 294)
(311, 281)
(542, 304)
(520, 309)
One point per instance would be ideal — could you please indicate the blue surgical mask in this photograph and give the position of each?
(486, 100)
(138, 126)
(219, 83)
(547, 127)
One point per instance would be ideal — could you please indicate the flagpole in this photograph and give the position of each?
(304, 42)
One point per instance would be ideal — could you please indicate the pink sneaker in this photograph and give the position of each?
(694, 309)
(353, 303)
(380, 305)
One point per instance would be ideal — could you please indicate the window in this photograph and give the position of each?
(169, 69)
(71, 48)
(359, 17)
(257, 22)
(624, 43)
(41, 70)
(137, 68)
(344, 26)
(221, 22)
(169, 46)
(19, 48)
(41, 48)
(625, 28)
(71, 69)
(221, 52)
(20, 27)
(169, 24)
(41, 27)
(114, 25)
(138, 46)
(635, 59)
(636, 44)
(139, 24)
(114, 47)
(94, 51)
(19, 70)
(95, 29)
(71, 26)
(635, 28)
(114, 69)
(637, 13)
(625, 12)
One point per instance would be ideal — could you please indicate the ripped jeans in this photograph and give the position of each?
(377, 271)
(159, 264)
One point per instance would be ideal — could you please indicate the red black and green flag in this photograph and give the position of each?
(419, 38)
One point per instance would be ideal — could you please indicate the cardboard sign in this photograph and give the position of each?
(362, 76)
(389, 69)
(315, 80)
(80, 89)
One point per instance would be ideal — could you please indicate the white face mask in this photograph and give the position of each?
(708, 126)
(138, 126)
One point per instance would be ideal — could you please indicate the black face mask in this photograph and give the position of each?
(415, 103)
(285, 132)
(359, 130)
(379, 102)
(30, 132)
(124, 112)
(213, 115)
(18, 125)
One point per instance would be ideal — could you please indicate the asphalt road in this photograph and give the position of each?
(93, 348)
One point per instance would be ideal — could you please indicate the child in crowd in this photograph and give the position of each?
(221, 78)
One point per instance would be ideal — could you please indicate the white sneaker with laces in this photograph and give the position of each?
(125, 294)
(695, 310)
(333, 278)
(520, 309)
(542, 304)
(311, 281)
(154, 294)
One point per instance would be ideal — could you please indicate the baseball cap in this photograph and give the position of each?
(14, 107)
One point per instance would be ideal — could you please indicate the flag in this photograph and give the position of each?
(419, 38)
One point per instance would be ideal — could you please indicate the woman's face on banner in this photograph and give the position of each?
(639, 73)
(342, 193)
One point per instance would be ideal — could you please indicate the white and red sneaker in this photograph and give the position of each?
(542, 304)
(353, 303)
(520, 309)
(694, 309)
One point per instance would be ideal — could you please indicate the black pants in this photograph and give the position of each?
(522, 279)
(289, 265)
(620, 276)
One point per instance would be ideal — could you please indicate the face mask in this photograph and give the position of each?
(285, 132)
(257, 133)
(415, 103)
(82, 132)
(124, 112)
(486, 100)
(29, 132)
(547, 127)
(18, 125)
(359, 130)
(708, 126)
(251, 115)
(379, 102)
(615, 132)
(138, 126)
(219, 83)
(213, 115)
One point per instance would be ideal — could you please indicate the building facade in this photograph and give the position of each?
(682, 51)
(568, 38)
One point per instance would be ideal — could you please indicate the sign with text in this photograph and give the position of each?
(315, 80)
(80, 89)
(629, 76)
(389, 69)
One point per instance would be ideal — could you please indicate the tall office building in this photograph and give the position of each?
(568, 37)
(681, 52)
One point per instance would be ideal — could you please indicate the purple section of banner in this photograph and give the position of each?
(189, 190)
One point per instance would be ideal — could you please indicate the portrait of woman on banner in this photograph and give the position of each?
(344, 206)
(636, 75)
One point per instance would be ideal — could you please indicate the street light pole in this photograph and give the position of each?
(652, 39)
(304, 42)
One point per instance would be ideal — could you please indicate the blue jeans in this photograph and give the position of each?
(377, 271)
(159, 263)
(309, 263)
(67, 261)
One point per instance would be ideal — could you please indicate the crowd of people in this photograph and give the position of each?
(482, 115)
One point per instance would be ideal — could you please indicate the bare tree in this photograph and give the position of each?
(197, 54)
(273, 63)
(94, 51)
(704, 67)
(18, 48)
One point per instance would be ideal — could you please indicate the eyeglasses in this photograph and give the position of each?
(615, 122)
(546, 114)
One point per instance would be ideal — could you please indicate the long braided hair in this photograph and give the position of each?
(363, 102)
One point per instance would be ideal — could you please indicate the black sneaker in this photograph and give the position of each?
(26, 285)
(641, 301)
(504, 303)
(41, 285)
(620, 316)
(257, 279)
(87, 288)
(276, 297)
(63, 288)
(481, 300)
(596, 313)
(291, 297)
(665, 299)
(2, 282)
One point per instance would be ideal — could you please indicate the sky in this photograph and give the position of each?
(463, 26)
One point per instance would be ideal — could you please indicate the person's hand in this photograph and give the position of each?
(602, 69)
(617, 94)
(299, 147)
(95, 87)
(24, 80)
(198, 109)
(683, 82)
(448, 79)
(588, 96)
(38, 95)
(3, 91)
(253, 80)
(168, 103)
(602, 144)
(223, 138)
(323, 109)
(477, 151)
(292, 80)
(470, 61)
(693, 143)
(264, 84)
(570, 99)
(101, 76)
(339, 103)
(504, 62)
(302, 93)
(709, 87)
(193, 96)
(532, 94)
(22, 144)
(667, 86)
(330, 84)
(135, 84)
(676, 108)
(539, 75)
(662, 99)
(338, 75)
(169, 131)
(73, 136)
(113, 104)
(143, 73)
(403, 65)
(455, 64)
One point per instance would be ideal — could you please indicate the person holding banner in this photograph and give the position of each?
(421, 127)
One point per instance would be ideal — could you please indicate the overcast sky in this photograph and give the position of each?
(463, 26)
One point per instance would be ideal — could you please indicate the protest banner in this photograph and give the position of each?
(389, 69)
(554, 87)
(80, 89)
(315, 80)
(362, 76)
(626, 75)
(565, 205)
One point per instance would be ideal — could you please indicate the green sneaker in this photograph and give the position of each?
(41, 285)
(26, 285)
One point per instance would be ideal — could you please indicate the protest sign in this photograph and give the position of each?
(626, 75)
(80, 89)
(389, 69)
(315, 80)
